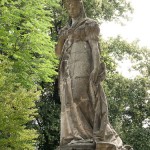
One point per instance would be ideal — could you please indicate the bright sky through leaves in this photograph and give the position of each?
(137, 28)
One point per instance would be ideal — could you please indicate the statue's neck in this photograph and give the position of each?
(75, 20)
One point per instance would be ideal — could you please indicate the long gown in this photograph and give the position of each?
(84, 112)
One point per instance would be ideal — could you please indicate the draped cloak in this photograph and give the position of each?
(84, 112)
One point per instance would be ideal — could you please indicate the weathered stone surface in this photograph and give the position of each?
(93, 146)
(105, 146)
(84, 109)
(79, 146)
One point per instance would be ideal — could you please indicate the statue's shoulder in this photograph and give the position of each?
(63, 29)
(91, 23)
(92, 28)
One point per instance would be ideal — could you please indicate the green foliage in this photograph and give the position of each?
(141, 140)
(24, 28)
(48, 121)
(17, 107)
(128, 98)
(119, 50)
(26, 59)
(108, 10)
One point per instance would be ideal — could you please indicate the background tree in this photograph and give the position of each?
(128, 98)
(17, 107)
(108, 10)
(26, 59)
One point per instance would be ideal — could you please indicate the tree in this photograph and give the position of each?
(108, 10)
(128, 98)
(48, 118)
(17, 107)
(26, 59)
(25, 40)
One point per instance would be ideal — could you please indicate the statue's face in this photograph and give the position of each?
(74, 9)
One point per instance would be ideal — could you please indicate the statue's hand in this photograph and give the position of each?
(94, 75)
(63, 34)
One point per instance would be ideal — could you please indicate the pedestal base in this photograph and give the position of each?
(92, 146)
(105, 146)
(78, 146)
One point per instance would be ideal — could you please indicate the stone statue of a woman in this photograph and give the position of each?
(84, 113)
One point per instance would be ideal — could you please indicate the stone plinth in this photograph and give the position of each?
(78, 146)
(105, 146)
(92, 146)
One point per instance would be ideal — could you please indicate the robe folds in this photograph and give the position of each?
(84, 112)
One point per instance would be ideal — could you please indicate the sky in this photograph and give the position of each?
(137, 28)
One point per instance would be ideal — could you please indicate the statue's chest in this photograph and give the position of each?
(77, 34)
(76, 40)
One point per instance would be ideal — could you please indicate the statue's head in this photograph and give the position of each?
(75, 8)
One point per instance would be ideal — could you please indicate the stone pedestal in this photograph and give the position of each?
(78, 146)
(89, 146)
(105, 146)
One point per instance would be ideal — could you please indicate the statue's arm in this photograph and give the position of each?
(61, 40)
(92, 33)
(95, 60)
(59, 46)
(95, 53)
